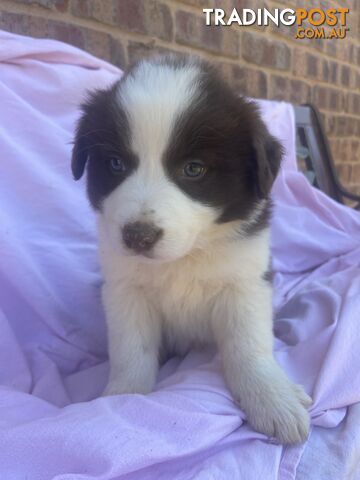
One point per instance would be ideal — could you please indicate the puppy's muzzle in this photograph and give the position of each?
(141, 236)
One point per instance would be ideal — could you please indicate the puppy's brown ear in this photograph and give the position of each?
(268, 153)
(95, 110)
(79, 153)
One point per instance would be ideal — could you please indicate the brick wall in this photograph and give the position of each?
(261, 62)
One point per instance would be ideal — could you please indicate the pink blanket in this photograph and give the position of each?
(53, 360)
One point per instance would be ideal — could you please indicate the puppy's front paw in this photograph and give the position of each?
(273, 405)
(282, 414)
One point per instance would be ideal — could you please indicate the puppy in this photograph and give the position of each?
(179, 170)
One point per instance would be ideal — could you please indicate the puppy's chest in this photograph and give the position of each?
(184, 298)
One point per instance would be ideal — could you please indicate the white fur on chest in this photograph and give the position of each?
(183, 292)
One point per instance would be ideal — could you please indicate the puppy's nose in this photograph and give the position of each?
(141, 236)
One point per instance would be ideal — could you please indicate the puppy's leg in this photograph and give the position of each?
(133, 339)
(243, 328)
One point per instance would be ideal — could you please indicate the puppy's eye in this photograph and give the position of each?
(117, 165)
(194, 170)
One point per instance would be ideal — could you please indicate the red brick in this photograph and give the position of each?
(279, 88)
(335, 98)
(261, 51)
(343, 126)
(328, 98)
(355, 80)
(82, 9)
(191, 30)
(314, 67)
(355, 173)
(357, 127)
(318, 43)
(66, 32)
(358, 56)
(252, 83)
(60, 5)
(287, 31)
(16, 23)
(290, 90)
(289, 3)
(331, 48)
(130, 15)
(99, 10)
(225, 70)
(330, 125)
(344, 50)
(313, 64)
(344, 171)
(24, 24)
(239, 5)
(334, 147)
(97, 43)
(353, 103)
(330, 71)
(230, 41)
(341, 155)
(355, 149)
(117, 53)
(299, 63)
(140, 50)
(345, 75)
(123, 13)
(149, 17)
(197, 3)
(300, 92)
(158, 20)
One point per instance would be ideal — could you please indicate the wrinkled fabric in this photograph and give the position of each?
(333, 453)
(53, 359)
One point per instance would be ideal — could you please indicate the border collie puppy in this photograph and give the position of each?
(179, 170)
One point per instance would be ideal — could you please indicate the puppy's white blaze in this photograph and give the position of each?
(153, 97)
(150, 196)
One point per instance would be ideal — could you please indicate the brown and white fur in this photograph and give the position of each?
(179, 171)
